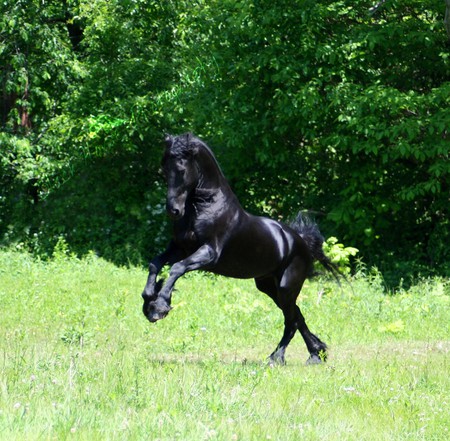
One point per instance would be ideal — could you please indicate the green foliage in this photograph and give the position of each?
(327, 106)
(61, 250)
(339, 254)
(88, 173)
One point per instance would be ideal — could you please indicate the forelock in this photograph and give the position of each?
(183, 144)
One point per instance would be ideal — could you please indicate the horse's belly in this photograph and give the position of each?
(251, 259)
(240, 273)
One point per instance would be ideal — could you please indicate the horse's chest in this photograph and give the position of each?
(192, 235)
(186, 239)
(203, 223)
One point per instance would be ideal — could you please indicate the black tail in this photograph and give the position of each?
(309, 232)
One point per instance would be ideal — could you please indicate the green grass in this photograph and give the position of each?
(79, 361)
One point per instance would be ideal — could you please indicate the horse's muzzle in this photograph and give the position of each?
(174, 213)
(175, 205)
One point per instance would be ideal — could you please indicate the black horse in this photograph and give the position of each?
(213, 232)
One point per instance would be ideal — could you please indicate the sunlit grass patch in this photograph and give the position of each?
(78, 360)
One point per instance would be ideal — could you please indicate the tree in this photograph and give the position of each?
(325, 107)
(89, 75)
(37, 65)
(447, 17)
(339, 108)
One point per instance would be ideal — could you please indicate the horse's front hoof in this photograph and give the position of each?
(156, 310)
(153, 317)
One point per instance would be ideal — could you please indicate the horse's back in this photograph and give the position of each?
(257, 246)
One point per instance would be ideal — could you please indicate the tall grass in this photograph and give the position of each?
(79, 361)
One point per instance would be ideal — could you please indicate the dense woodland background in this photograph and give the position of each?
(338, 108)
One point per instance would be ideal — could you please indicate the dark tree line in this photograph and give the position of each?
(339, 108)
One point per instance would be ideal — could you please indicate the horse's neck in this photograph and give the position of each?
(211, 176)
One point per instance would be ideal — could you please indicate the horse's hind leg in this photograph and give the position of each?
(290, 286)
(270, 286)
(317, 348)
(285, 293)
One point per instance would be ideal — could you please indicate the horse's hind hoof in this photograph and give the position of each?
(314, 359)
(276, 361)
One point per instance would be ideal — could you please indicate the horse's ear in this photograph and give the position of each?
(193, 144)
(194, 147)
(168, 140)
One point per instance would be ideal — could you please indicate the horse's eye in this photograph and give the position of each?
(181, 165)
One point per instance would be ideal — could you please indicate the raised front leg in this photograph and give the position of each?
(170, 255)
(159, 306)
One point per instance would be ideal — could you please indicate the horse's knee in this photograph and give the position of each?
(177, 270)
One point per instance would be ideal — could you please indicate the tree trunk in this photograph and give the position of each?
(447, 17)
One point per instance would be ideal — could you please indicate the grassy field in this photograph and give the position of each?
(78, 360)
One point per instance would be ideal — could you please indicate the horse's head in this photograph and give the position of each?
(181, 172)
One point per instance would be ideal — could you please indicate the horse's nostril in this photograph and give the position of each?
(174, 212)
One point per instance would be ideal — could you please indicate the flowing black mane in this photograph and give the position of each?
(182, 145)
(188, 145)
(192, 149)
